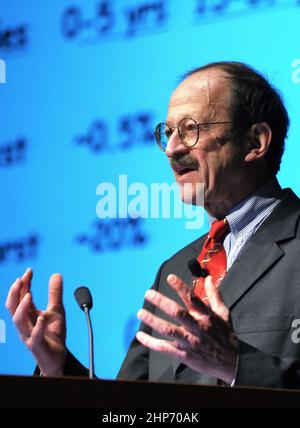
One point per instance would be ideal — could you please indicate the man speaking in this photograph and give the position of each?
(225, 129)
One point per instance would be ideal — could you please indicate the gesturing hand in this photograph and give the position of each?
(43, 332)
(201, 337)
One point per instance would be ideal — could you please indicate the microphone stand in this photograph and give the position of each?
(91, 342)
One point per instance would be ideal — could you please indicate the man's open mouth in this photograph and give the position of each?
(183, 171)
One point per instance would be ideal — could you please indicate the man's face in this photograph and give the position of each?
(205, 97)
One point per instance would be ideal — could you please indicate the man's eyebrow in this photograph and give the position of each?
(183, 115)
(191, 116)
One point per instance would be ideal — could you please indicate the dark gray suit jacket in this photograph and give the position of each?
(262, 291)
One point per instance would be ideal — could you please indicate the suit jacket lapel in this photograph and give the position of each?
(242, 275)
(262, 251)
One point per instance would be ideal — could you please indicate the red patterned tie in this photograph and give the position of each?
(213, 257)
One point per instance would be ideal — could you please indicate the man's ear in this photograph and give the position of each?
(259, 142)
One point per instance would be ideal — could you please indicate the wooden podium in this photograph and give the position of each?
(34, 392)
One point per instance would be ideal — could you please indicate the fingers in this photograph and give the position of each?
(161, 345)
(26, 281)
(166, 305)
(167, 329)
(192, 302)
(13, 297)
(215, 300)
(22, 318)
(181, 288)
(55, 292)
(37, 334)
(172, 309)
(18, 290)
(163, 327)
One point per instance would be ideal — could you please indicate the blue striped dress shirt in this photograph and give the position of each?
(246, 218)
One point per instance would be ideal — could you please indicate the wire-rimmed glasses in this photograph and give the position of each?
(188, 131)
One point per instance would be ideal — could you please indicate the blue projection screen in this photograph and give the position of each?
(82, 85)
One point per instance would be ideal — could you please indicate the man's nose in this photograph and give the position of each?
(175, 145)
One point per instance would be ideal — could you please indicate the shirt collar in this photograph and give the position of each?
(251, 207)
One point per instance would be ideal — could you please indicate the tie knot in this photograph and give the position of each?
(218, 230)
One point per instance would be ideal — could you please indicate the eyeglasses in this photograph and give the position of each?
(188, 131)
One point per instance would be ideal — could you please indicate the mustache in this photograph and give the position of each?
(183, 161)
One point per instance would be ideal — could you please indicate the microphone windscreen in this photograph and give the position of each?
(84, 298)
(195, 268)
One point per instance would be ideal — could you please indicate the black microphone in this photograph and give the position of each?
(84, 299)
(196, 269)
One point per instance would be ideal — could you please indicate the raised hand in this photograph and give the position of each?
(43, 332)
(200, 336)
